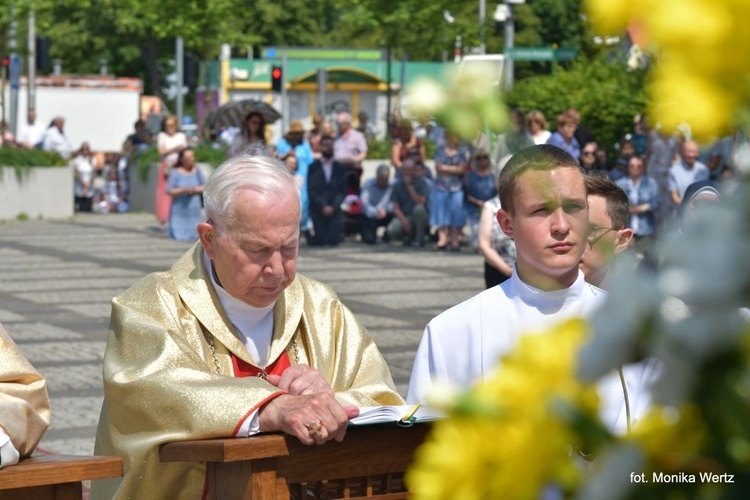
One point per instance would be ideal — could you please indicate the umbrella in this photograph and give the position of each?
(233, 113)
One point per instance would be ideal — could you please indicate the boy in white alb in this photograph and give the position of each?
(545, 210)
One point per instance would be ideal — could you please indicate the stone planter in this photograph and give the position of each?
(143, 194)
(36, 192)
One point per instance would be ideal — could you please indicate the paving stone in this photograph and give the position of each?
(74, 412)
(87, 350)
(58, 279)
(25, 332)
(6, 316)
(81, 377)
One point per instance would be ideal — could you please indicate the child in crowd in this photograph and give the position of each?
(113, 198)
(291, 163)
(627, 150)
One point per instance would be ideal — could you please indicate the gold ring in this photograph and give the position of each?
(314, 427)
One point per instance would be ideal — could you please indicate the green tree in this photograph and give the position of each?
(417, 28)
(293, 22)
(203, 24)
(602, 89)
(81, 34)
(561, 22)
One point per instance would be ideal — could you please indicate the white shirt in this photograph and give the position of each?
(541, 138)
(254, 325)
(463, 344)
(32, 133)
(8, 453)
(84, 167)
(56, 142)
(166, 141)
(327, 169)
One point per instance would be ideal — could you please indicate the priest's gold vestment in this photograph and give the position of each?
(24, 402)
(168, 372)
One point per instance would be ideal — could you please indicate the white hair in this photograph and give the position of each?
(266, 176)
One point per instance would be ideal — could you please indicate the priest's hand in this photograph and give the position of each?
(313, 419)
(301, 380)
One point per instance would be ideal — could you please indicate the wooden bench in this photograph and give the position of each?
(43, 477)
(369, 463)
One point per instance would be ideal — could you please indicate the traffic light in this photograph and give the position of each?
(277, 78)
(43, 45)
(189, 70)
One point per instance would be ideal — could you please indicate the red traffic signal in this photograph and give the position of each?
(277, 78)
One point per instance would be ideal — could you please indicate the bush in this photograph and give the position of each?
(381, 149)
(19, 158)
(204, 153)
(602, 89)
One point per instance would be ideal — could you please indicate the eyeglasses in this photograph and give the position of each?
(483, 157)
(593, 229)
(588, 153)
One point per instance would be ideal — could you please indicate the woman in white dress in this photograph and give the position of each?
(169, 143)
(84, 169)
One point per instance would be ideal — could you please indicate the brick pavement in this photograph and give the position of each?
(58, 278)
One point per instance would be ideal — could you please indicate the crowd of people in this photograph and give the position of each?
(101, 180)
(440, 202)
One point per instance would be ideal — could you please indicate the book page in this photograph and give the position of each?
(385, 414)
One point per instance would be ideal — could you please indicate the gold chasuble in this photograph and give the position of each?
(169, 373)
(24, 403)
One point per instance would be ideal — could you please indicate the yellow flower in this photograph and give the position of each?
(702, 73)
(672, 438)
(687, 23)
(611, 16)
(507, 440)
(681, 96)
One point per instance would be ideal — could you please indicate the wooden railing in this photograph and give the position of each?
(369, 463)
(59, 477)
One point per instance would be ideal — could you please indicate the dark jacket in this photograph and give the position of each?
(322, 193)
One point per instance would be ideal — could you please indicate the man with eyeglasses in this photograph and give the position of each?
(608, 237)
(608, 232)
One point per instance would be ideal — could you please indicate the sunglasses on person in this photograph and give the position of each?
(588, 153)
(483, 157)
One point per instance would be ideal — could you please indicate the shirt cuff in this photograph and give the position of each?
(250, 426)
(8, 453)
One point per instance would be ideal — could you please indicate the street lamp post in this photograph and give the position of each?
(509, 35)
(482, 17)
(504, 14)
(450, 20)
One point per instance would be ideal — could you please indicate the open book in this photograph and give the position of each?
(405, 415)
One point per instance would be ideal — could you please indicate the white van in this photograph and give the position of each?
(493, 62)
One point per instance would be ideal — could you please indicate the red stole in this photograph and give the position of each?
(245, 369)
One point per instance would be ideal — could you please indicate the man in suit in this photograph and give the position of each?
(326, 188)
